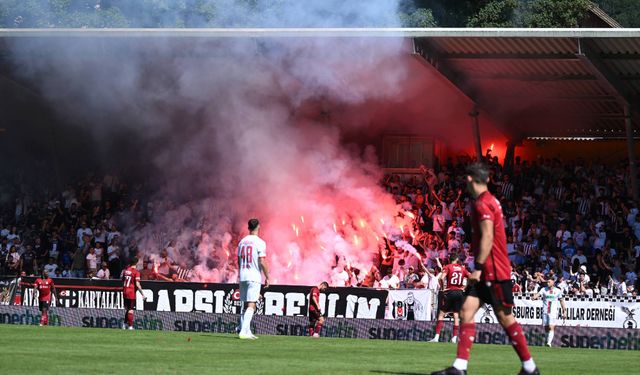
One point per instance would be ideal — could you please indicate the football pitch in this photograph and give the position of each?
(63, 350)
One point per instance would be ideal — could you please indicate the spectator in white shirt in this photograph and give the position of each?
(390, 281)
(91, 262)
(104, 273)
(81, 232)
(579, 236)
(51, 267)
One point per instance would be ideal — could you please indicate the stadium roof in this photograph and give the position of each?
(535, 82)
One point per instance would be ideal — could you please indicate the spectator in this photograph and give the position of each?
(113, 254)
(51, 267)
(83, 234)
(14, 262)
(29, 261)
(79, 263)
(390, 281)
(92, 262)
(104, 273)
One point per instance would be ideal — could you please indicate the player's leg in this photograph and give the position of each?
(249, 309)
(502, 303)
(129, 306)
(456, 327)
(243, 299)
(43, 313)
(252, 295)
(319, 325)
(439, 325)
(312, 325)
(467, 334)
(550, 332)
(130, 318)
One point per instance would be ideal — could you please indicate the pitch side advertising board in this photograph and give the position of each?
(375, 329)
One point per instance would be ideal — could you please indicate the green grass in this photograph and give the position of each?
(58, 350)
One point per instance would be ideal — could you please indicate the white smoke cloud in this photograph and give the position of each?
(224, 124)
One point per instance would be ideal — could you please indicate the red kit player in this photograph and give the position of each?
(45, 288)
(455, 276)
(316, 320)
(490, 282)
(131, 283)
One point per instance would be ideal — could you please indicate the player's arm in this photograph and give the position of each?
(564, 308)
(486, 242)
(443, 274)
(265, 270)
(315, 302)
(139, 289)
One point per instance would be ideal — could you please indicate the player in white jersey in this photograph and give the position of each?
(551, 296)
(252, 252)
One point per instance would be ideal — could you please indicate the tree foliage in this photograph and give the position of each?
(556, 13)
(269, 13)
(418, 18)
(497, 13)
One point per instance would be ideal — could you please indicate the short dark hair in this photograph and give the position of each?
(133, 261)
(478, 172)
(253, 224)
(324, 284)
(453, 256)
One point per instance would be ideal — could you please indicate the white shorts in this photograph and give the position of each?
(549, 319)
(249, 291)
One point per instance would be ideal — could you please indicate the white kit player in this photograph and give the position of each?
(551, 296)
(252, 252)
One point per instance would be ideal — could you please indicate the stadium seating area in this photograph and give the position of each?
(571, 221)
(574, 222)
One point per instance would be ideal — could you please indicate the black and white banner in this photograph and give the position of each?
(282, 300)
(409, 304)
(8, 287)
(593, 312)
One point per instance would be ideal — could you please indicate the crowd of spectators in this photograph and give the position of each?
(77, 233)
(573, 222)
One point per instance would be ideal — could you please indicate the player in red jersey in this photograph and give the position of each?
(316, 320)
(131, 283)
(490, 282)
(45, 289)
(455, 276)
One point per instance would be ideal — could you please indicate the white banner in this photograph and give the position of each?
(585, 312)
(409, 304)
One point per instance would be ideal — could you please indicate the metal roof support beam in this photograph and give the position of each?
(597, 67)
(422, 48)
(633, 166)
(476, 133)
(511, 56)
(430, 58)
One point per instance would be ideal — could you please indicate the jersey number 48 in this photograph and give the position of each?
(246, 256)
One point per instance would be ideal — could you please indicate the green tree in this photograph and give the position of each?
(556, 13)
(496, 13)
(418, 18)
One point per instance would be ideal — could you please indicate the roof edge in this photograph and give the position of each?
(330, 32)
